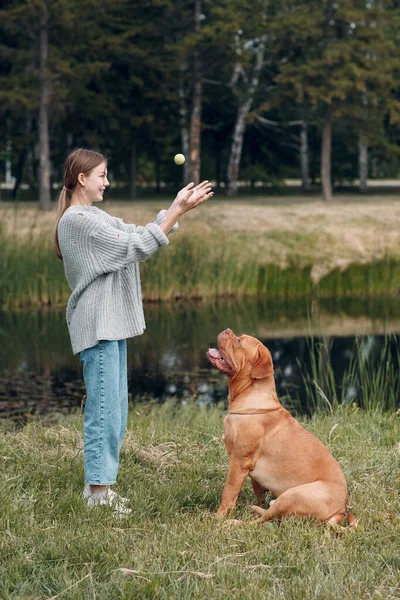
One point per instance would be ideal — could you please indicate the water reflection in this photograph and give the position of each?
(38, 372)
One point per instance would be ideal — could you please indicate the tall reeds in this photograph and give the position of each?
(370, 380)
(192, 266)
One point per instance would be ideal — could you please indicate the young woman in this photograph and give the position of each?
(101, 256)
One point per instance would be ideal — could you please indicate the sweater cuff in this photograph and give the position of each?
(158, 233)
(160, 218)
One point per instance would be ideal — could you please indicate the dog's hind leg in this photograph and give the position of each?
(308, 500)
(267, 514)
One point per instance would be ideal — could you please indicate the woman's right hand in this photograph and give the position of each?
(189, 197)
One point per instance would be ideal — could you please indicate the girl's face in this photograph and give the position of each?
(95, 183)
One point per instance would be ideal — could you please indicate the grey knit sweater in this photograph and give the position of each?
(101, 257)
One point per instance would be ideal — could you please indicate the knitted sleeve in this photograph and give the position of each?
(131, 228)
(127, 227)
(114, 250)
(160, 218)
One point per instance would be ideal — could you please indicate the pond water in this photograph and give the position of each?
(39, 374)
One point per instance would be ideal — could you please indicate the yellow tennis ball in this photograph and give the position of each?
(179, 159)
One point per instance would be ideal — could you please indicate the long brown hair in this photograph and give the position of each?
(79, 161)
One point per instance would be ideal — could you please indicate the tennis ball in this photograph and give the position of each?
(179, 159)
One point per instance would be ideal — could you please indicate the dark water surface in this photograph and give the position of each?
(39, 374)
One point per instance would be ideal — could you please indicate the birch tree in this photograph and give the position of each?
(243, 27)
(244, 86)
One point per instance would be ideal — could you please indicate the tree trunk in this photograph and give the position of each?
(158, 174)
(69, 139)
(19, 171)
(363, 164)
(240, 125)
(236, 147)
(326, 152)
(305, 178)
(218, 161)
(195, 122)
(184, 127)
(133, 171)
(44, 149)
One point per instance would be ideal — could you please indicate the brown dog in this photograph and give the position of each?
(264, 441)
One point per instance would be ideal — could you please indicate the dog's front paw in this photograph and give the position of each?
(222, 513)
(234, 522)
(224, 509)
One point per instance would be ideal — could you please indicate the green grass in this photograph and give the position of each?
(269, 247)
(194, 266)
(371, 379)
(173, 467)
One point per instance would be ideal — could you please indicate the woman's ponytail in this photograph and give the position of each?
(80, 160)
(64, 201)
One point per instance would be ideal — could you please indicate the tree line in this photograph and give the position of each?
(251, 89)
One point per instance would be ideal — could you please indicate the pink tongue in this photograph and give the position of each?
(214, 353)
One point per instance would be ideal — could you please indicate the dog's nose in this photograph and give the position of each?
(228, 331)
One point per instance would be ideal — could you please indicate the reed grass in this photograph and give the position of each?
(193, 266)
(370, 381)
(379, 277)
(269, 247)
(173, 468)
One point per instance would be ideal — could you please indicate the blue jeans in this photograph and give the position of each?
(106, 409)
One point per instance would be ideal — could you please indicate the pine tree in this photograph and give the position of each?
(44, 70)
(337, 52)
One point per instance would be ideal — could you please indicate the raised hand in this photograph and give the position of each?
(189, 197)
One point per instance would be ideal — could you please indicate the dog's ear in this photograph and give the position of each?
(263, 366)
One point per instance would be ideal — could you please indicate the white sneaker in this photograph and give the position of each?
(87, 493)
(107, 498)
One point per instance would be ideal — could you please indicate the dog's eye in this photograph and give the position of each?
(238, 340)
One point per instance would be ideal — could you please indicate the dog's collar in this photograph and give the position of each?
(253, 411)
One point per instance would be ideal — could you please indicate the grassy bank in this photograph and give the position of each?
(276, 249)
(173, 468)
